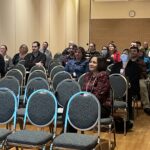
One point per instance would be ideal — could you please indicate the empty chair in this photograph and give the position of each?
(22, 69)
(55, 70)
(17, 74)
(119, 87)
(35, 84)
(65, 90)
(60, 76)
(41, 111)
(83, 113)
(81, 80)
(8, 107)
(37, 73)
(11, 83)
(52, 65)
(37, 68)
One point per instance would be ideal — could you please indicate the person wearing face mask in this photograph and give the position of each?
(105, 54)
(119, 67)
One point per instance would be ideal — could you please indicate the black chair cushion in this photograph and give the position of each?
(76, 141)
(30, 137)
(4, 133)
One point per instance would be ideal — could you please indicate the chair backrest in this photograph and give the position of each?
(109, 67)
(35, 84)
(65, 90)
(41, 108)
(119, 86)
(37, 68)
(55, 70)
(22, 62)
(17, 74)
(60, 76)
(57, 56)
(37, 73)
(83, 111)
(81, 80)
(21, 68)
(11, 83)
(8, 106)
(52, 65)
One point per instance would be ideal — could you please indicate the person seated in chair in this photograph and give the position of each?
(23, 50)
(36, 57)
(97, 82)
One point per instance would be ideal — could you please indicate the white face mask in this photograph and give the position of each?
(124, 58)
(104, 52)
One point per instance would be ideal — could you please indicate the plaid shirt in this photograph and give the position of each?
(99, 86)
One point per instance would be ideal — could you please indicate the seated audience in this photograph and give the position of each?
(114, 53)
(66, 50)
(146, 59)
(23, 50)
(35, 57)
(135, 72)
(2, 66)
(92, 51)
(7, 59)
(69, 55)
(146, 48)
(106, 54)
(47, 52)
(96, 81)
(77, 66)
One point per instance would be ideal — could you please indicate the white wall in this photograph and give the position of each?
(24, 21)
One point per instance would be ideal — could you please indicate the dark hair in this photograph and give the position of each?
(4, 46)
(134, 47)
(138, 42)
(82, 51)
(126, 50)
(46, 43)
(38, 44)
(101, 63)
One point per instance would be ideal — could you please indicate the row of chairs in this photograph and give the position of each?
(41, 111)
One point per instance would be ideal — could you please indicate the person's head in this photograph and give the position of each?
(141, 52)
(23, 49)
(45, 45)
(138, 44)
(145, 45)
(133, 44)
(3, 50)
(134, 52)
(72, 49)
(92, 47)
(97, 64)
(71, 43)
(80, 53)
(35, 46)
(104, 51)
(112, 48)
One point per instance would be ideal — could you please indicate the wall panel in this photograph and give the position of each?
(122, 31)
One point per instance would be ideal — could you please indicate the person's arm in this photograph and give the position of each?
(102, 87)
(2, 66)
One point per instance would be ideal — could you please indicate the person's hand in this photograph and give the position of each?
(39, 64)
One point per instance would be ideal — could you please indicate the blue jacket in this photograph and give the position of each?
(79, 68)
